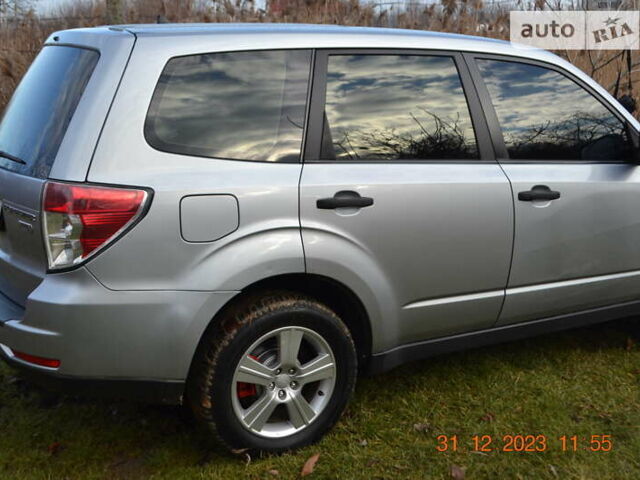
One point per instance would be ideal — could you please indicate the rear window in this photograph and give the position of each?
(240, 106)
(36, 119)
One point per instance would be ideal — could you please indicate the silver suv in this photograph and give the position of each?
(243, 217)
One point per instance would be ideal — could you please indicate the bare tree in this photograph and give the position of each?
(442, 138)
(15, 8)
(114, 12)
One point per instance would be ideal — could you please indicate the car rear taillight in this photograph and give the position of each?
(79, 220)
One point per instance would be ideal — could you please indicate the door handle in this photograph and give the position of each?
(539, 192)
(344, 199)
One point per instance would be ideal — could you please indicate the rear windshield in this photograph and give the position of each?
(36, 119)
(241, 105)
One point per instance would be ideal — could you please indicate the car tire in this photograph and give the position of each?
(254, 389)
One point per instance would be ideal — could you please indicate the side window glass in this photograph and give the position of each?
(396, 107)
(241, 105)
(547, 116)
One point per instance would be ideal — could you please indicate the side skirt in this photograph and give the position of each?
(384, 361)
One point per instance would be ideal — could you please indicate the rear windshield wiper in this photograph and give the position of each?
(12, 158)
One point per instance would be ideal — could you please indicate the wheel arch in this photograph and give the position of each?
(337, 296)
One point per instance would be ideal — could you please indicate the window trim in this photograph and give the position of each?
(313, 140)
(152, 108)
(495, 128)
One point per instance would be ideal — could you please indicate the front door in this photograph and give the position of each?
(400, 198)
(576, 194)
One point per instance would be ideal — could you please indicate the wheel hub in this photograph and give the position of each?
(293, 383)
(283, 380)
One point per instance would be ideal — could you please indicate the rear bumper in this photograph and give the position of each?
(106, 339)
(9, 310)
(151, 391)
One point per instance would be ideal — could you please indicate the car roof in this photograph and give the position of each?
(334, 36)
(277, 35)
(171, 29)
(182, 29)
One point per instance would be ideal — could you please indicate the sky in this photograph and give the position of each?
(43, 7)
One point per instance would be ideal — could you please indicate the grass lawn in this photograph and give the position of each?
(584, 382)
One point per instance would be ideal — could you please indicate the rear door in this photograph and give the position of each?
(31, 132)
(401, 197)
(576, 192)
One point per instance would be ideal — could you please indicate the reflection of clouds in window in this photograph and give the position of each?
(544, 114)
(247, 105)
(397, 107)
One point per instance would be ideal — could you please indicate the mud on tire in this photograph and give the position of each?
(228, 351)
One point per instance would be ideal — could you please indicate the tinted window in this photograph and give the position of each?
(42, 106)
(396, 107)
(546, 116)
(245, 105)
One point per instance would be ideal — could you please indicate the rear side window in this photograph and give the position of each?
(546, 116)
(242, 105)
(36, 119)
(396, 107)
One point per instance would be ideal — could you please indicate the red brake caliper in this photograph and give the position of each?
(247, 389)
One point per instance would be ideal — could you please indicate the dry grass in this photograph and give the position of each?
(21, 39)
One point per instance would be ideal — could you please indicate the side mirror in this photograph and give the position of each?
(628, 102)
(634, 138)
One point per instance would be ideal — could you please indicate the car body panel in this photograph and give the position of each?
(22, 256)
(273, 240)
(435, 232)
(76, 151)
(97, 332)
(23, 261)
(570, 253)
